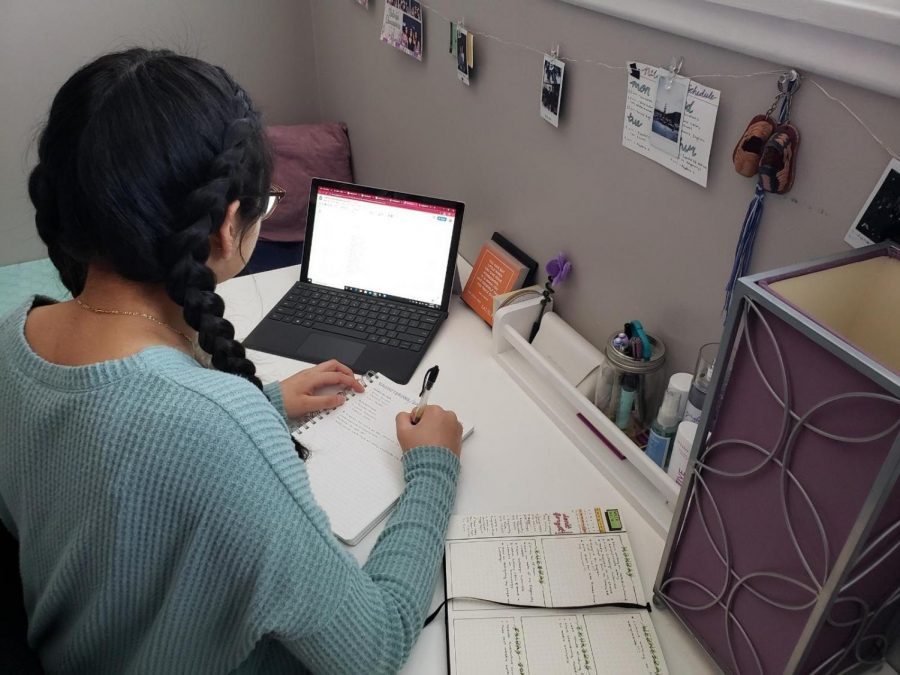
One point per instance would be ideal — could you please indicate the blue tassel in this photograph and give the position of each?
(744, 250)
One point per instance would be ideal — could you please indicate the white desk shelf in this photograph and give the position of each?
(640, 480)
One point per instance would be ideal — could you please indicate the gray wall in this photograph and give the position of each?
(645, 243)
(267, 45)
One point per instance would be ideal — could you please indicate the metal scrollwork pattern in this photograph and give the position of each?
(702, 506)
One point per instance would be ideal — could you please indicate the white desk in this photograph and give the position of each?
(517, 459)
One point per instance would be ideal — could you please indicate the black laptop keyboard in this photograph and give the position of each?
(358, 316)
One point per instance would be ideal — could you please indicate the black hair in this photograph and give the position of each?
(141, 155)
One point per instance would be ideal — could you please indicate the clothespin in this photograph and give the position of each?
(554, 53)
(673, 71)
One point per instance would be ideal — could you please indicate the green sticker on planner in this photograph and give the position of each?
(612, 517)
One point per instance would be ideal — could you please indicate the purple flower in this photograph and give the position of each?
(558, 269)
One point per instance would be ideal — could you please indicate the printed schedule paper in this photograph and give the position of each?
(522, 591)
(679, 139)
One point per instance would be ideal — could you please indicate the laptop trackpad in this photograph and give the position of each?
(318, 348)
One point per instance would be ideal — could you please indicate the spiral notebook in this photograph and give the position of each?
(354, 464)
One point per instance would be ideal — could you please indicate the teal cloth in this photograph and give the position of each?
(20, 281)
(166, 525)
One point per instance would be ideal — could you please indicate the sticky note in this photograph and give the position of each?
(612, 517)
(470, 50)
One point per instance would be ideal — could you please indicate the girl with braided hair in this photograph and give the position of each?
(163, 514)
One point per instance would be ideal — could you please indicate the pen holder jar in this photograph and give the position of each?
(630, 390)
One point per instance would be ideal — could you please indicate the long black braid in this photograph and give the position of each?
(142, 153)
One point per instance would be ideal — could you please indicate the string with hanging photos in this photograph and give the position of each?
(607, 66)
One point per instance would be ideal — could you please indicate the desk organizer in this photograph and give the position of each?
(641, 481)
(784, 552)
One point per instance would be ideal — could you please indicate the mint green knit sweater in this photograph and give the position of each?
(166, 525)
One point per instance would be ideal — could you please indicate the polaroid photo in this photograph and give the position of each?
(462, 58)
(668, 110)
(879, 219)
(551, 89)
(393, 22)
(401, 30)
(412, 35)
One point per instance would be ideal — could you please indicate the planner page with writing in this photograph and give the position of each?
(522, 590)
(354, 466)
(544, 569)
(539, 641)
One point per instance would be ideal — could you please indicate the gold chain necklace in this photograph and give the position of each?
(140, 315)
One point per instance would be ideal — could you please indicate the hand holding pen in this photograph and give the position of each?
(431, 376)
(429, 424)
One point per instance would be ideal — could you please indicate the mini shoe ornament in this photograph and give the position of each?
(749, 149)
(777, 167)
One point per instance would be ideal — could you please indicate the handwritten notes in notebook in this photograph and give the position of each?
(354, 466)
(354, 463)
(544, 575)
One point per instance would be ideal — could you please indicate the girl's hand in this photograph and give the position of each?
(299, 390)
(437, 427)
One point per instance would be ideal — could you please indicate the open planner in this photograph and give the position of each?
(354, 464)
(526, 594)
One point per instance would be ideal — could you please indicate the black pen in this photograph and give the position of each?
(430, 379)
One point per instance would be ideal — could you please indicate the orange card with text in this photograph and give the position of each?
(495, 272)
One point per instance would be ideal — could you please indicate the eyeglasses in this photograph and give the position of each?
(273, 197)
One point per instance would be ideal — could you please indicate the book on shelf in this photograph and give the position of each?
(495, 271)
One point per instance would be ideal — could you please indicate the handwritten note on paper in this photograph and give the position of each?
(592, 570)
(697, 124)
(502, 570)
(369, 421)
(527, 642)
(558, 644)
(489, 644)
(634, 633)
(544, 571)
(354, 465)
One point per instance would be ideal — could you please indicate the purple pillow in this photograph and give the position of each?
(303, 152)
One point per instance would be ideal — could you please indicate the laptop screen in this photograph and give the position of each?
(385, 246)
